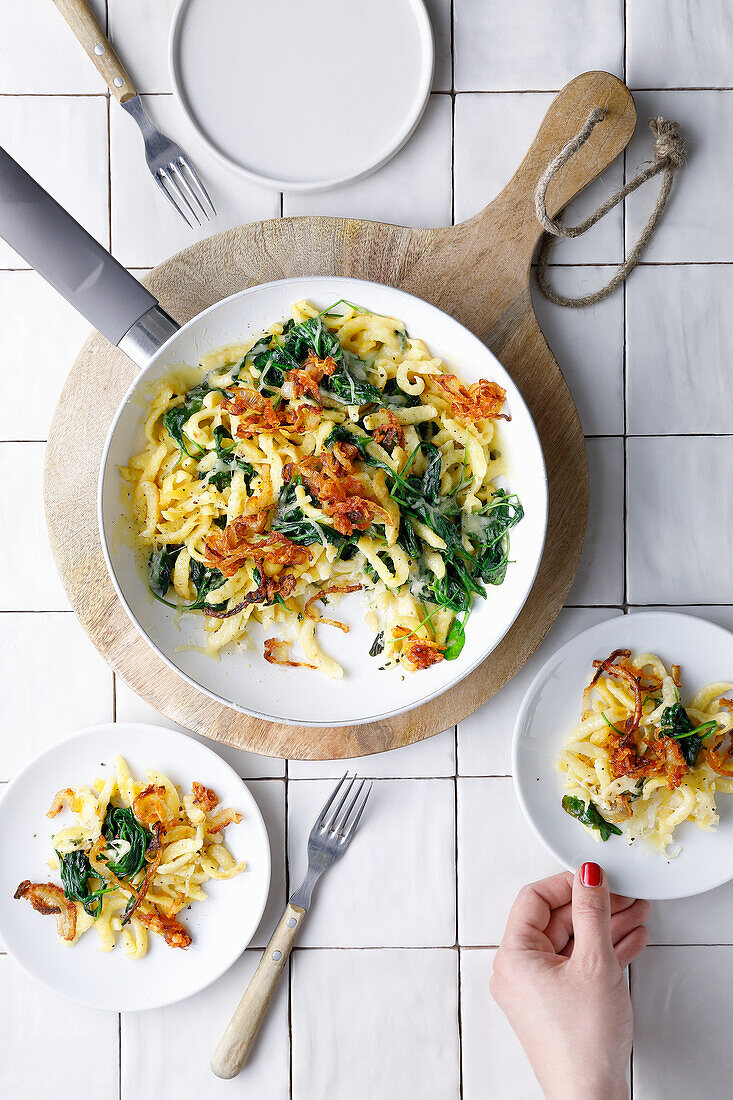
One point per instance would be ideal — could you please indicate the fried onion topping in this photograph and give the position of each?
(151, 806)
(172, 931)
(275, 650)
(229, 549)
(204, 798)
(47, 898)
(472, 403)
(343, 590)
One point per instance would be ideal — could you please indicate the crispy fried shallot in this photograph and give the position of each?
(153, 856)
(204, 798)
(618, 671)
(151, 806)
(222, 819)
(482, 399)
(47, 898)
(229, 549)
(343, 497)
(300, 418)
(389, 432)
(266, 591)
(172, 931)
(344, 590)
(420, 652)
(274, 647)
(60, 800)
(719, 752)
(306, 379)
(255, 411)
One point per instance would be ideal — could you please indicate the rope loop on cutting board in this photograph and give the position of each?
(669, 156)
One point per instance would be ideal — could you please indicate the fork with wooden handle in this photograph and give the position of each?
(329, 838)
(169, 166)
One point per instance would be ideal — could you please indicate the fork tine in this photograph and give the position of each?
(186, 190)
(177, 191)
(322, 815)
(347, 834)
(189, 170)
(331, 826)
(171, 200)
(344, 817)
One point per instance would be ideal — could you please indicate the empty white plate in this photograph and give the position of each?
(552, 707)
(302, 96)
(221, 927)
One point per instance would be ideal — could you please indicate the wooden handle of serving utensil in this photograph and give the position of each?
(83, 23)
(236, 1043)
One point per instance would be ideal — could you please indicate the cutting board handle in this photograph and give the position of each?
(567, 113)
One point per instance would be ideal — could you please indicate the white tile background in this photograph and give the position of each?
(395, 960)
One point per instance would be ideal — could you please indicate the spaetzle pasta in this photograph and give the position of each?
(137, 854)
(332, 454)
(642, 763)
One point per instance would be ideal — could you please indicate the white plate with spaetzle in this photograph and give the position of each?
(136, 867)
(324, 502)
(623, 753)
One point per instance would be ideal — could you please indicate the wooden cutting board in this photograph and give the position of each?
(479, 272)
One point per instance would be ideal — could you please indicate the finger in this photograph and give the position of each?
(531, 911)
(591, 915)
(628, 919)
(627, 949)
(560, 925)
(620, 901)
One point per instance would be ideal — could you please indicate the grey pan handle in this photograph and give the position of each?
(68, 258)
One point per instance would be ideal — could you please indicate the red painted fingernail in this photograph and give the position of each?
(591, 874)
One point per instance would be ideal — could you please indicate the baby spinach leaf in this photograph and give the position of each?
(407, 538)
(160, 568)
(205, 581)
(393, 396)
(120, 824)
(455, 640)
(431, 477)
(589, 816)
(273, 364)
(489, 531)
(677, 723)
(76, 871)
(290, 520)
(175, 418)
(377, 645)
(309, 336)
(349, 383)
(227, 462)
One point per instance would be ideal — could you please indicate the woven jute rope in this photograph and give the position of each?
(669, 155)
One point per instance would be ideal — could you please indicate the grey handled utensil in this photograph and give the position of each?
(170, 167)
(329, 838)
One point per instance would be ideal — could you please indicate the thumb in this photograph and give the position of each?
(591, 914)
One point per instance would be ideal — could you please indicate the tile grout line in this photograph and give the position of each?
(434, 91)
(290, 956)
(624, 387)
(109, 143)
(555, 264)
(624, 360)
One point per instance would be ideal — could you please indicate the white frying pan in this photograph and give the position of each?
(128, 315)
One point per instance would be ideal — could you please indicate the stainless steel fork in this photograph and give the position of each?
(169, 165)
(329, 838)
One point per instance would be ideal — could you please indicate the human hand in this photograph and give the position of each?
(559, 979)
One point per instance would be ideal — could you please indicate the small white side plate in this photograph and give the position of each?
(221, 927)
(302, 96)
(552, 707)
